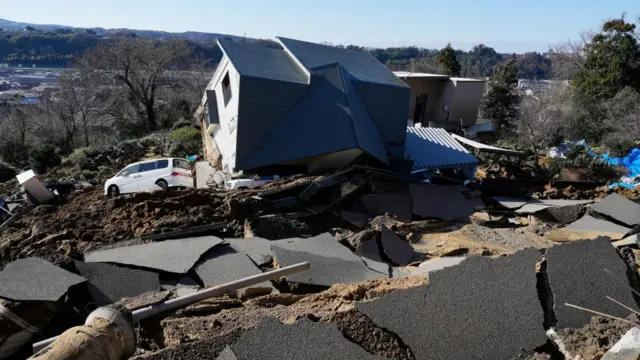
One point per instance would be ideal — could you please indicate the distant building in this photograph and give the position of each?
(443, 101)
(531, 87)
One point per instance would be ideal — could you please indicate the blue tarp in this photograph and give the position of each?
(631, 162)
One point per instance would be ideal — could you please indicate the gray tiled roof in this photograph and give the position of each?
(263, 62)
(360, 64)
(435, 147)
(262, 105)
(320, 123)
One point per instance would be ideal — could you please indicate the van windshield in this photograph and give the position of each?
(182, 164)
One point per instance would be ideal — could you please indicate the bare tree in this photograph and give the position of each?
(77, 98)
(569, 57)
(138, 64)
(541, 119)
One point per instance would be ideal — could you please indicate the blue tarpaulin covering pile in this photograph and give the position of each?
(630, 162)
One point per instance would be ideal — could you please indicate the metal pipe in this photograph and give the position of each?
(187, 300)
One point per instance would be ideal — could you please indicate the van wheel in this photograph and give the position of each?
(113, 191)
(163, 185)
(243, 188)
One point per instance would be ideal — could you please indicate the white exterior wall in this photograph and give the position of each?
(225, 136)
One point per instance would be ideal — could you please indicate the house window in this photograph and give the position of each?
(226, 88)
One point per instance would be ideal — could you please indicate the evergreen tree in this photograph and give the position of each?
(501, 102)
(612, 61)
(448, 61)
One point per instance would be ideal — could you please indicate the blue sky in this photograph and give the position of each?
(506, 25)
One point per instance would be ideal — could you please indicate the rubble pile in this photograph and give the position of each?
(396, 267)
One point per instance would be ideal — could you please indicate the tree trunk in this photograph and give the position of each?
(86, 131)
(151, 116)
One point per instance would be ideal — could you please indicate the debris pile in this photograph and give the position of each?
(400, 269)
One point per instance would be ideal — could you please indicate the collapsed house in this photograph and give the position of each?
(303, 108)
(443, 101)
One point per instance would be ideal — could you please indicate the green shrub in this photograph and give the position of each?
(79, 158)
(44, 156)
(187, 141)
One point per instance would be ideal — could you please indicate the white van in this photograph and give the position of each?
(165, 173)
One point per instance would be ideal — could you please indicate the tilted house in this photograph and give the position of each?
(306, 106)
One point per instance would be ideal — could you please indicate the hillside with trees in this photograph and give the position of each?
(60, 46)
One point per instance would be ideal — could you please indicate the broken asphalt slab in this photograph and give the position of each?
(258, 249)
(175, 256)
(590, 224)
(492, 312)
(510, 203)
(223, 265)
(110, 283)
(396, 249)
(35, 279)
(355, 218)
(438, 264)
(440, 201)
(619, 208)
(272, 340)
(396, 204)
(535, 206)
(331, 262)
(369, 249)
(576, 273)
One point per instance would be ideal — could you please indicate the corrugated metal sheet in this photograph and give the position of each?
(487, 148)
(435, 148)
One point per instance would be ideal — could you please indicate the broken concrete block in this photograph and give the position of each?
(627, 348)
(356, 219)
(395, 204)
(437, 264)
(633, 240)
(440, 201)
(272, 340)
(35, 279)
(619, 208)
(576, 273)
(110, 283)
(224, 265)
(175, 256)
(492, 300)
(396, 249)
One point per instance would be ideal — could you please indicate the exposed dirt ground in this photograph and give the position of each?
(209, 321)
(593, 340)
